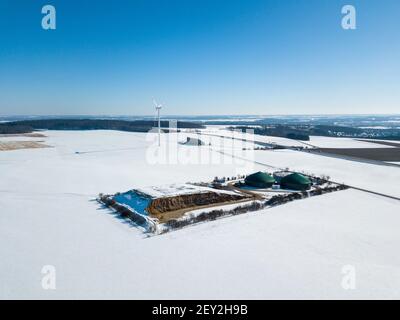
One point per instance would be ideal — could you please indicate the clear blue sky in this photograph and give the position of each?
(199, 57)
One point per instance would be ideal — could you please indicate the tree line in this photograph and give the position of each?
(27, 126)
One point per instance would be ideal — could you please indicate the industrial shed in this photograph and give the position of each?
(260, 180)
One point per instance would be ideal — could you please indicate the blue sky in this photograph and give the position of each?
(199, 57)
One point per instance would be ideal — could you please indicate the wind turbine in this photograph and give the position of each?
(158, 108)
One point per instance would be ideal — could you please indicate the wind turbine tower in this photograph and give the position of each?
(158, 108)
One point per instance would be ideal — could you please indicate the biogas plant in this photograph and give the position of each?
(160, 209)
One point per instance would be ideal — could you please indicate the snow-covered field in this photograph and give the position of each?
(298, 250)
(249, 136)
(328, 142)
(316, 141)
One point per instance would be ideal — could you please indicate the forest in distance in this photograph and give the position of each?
(292, 127)
(28, 126)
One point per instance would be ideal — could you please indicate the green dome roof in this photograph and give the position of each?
(296, 181)
(260, 179)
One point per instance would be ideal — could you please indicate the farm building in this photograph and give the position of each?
(260, 180)
(295, 181)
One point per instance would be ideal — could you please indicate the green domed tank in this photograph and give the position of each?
(295, 181)
(260, 180)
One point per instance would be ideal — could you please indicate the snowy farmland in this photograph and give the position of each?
(49, 217)
(378, 178)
